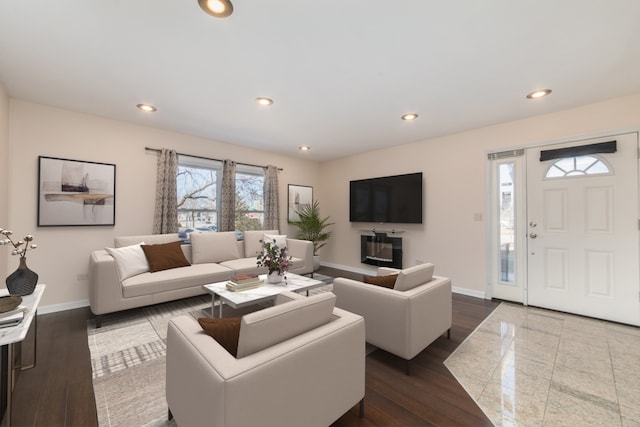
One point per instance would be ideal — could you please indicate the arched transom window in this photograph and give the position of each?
(578, 166)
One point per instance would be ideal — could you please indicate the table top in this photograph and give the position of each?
(294, 283)
(13, 334)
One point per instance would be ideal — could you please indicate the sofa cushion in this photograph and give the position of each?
(279, 323)
(244, 266)
(414, 276)
(165, 256)
(252, 242)
(225, 331)
(388, 281)
(214, 247)
(174, 279)
(130, 260)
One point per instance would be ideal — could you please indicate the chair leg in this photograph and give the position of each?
(449, 333)
(407, 367)
(170, 416)
(98, 321)
(361, 411)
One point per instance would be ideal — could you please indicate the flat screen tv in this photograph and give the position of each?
(389, 199)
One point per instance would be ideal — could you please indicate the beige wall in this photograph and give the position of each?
(4, 172)
(453, 168)
(455, 182)
(63, 252)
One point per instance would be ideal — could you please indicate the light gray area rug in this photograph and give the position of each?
(128, 360)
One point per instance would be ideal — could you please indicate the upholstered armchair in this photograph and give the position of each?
(298, 363)
(405, 312)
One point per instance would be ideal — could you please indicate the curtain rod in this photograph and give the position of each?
(157, 150)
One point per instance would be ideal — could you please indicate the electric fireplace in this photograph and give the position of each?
(381, 250)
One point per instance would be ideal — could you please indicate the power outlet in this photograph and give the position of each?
(82, 276)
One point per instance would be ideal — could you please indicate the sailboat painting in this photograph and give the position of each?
(74, 192)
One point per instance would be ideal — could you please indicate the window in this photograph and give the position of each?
(198, 184)
(506, 210)
(249, 198)
(198, 192)
(577, 166)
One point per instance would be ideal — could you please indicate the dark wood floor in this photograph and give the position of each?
(59, 390)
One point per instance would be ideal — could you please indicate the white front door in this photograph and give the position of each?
(582, 228)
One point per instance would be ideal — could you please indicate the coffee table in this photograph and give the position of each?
(266, 292)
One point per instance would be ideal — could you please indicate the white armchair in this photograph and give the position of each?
(309, 379)
(402, 322)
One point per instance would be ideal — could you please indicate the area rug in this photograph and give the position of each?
(128, 360)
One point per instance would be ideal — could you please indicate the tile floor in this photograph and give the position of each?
(532, 367)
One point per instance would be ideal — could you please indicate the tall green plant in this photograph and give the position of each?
(312, 227)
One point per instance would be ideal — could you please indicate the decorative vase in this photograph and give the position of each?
(22, 281)
(316, 262)
(274, 277)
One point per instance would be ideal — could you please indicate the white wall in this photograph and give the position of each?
(454, 177)
(63, 252)
(4, 170)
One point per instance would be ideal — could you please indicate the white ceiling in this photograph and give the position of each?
(341, 73)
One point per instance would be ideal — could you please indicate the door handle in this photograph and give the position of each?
(533, 235)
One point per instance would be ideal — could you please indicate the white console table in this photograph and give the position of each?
(10, 343)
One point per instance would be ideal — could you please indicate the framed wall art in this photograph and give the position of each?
(299, 195)
(75, 192)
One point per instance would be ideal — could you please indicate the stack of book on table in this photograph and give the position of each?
(242, 282)
(12, 317)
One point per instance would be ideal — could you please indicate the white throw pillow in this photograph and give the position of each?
(252, 241)
(281, 239)
(130, 260)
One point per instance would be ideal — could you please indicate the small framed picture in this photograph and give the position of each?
(75, 192)
(299, 195)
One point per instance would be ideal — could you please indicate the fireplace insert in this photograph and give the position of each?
(381, 250)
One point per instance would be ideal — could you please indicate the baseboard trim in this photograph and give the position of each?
(455, 290)
(469, 292)
(54, 308)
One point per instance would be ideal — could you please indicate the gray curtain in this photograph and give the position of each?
(227, 206)
(271, 199)
(165, 218)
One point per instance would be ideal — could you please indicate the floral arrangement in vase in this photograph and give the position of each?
(22, 281)
(275, 259)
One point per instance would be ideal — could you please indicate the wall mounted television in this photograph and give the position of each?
(389, 199)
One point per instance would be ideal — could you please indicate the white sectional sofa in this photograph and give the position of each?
(214, 257)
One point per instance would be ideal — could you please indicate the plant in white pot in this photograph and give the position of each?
(313, 228)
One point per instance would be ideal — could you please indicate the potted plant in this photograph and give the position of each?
(313, 228)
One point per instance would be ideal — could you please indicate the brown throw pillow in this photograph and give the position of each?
(165, 256)
(225, 331)
(384, 281)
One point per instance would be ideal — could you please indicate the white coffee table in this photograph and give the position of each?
(266, 292)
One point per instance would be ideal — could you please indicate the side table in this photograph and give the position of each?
(10, 345)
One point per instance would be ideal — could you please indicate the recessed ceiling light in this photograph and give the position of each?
(304, 148)
(147, 108)
(217, 8)
(538, 93)
(264, 101)
(409, 116)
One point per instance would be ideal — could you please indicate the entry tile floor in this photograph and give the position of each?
(533, 367)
